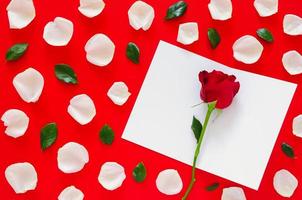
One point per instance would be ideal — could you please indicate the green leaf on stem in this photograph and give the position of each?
(265, 34)
(48, 135)
(132, 52)
(107, 134)
(212, 187)
(176, 10)
(65, 73)
(16, 51)
(139, 172)
(196, 127)
(213, 37)
(288, 150)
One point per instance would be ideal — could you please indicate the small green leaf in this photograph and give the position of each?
(16, 51)
(214, 37)
(139, 172)
(265, 34)
(132, 52)
(48, 135)
(65, 73)
(212, 187)
(288, 150)
(107, 134)
(176, 10)
(196, 127)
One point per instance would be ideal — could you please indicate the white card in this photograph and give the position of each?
(237, 144)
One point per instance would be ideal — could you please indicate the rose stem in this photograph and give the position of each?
(211, 108)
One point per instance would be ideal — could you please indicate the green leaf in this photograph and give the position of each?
(265, 34)
(107, 134)
(65, 73)
(212, 187)
(132, 52)
(176, 10)
(16, 51)
(213, 37)
(139, 172)
(196, 127)
(48, 135)
(288, 150)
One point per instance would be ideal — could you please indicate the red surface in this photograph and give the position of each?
(95, 82)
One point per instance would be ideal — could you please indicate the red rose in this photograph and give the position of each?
(218, 86)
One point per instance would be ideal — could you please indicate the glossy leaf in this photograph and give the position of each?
(139, 172)
(213, 37)
(16, 51)
(65, 73)
(212, 187)
(196, 127)
(132, 52)
(48, 135)
(288, 150)
(107, 134)
(176, 10)
(265, 34)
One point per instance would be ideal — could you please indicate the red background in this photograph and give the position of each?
(95, 82)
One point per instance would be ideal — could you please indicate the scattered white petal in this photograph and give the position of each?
(220, 9)
(71, 193)
(292, 62)
(91, 8)
(16, 122)
(72, 157)
(29, 85)
(292, 24)
(22, 177)
(112, 175)
(188, 33)
(20, 13)
(297, 126)
(141, 15)
(118, 93)
(247, 49)
(285, 183)
(266, 8)
(233, 193)
(82, 109)
(99, 50)
(58, 32)
(169, 182)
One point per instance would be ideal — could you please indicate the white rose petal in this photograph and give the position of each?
(233, 193)
(112, 175)
(285, 183)
(91, 8)
(82, 109)
(72, 157)
(297, 126)
(220, 9)
(118, 93)
(292, 62)
(247, 49)
(20, 13)
(141, 15)
(99, 50)
(169, 182)
(29, 85)
(188, 33)
(71, 193)
(22, 177)
(266, 8)
(58, 32)
(16, 122)
(292, 24)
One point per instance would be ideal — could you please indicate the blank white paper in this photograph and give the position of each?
(237, 144)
